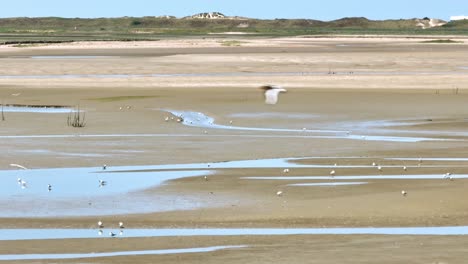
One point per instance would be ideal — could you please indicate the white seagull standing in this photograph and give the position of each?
(22, 183)
(102, 183)
(271, 93)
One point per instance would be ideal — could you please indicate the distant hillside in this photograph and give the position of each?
(134, 28)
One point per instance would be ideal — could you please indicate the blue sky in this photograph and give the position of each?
(322, 9)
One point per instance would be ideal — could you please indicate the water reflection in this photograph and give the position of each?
(45, 109)
(79, 192)
(361, 177)
(34, 234)
(328, 184)
(116, 253)
(197, 119)
(71, 57)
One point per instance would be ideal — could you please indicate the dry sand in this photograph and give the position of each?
(379, 79)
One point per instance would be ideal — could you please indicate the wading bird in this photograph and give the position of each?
(102, 183)
(22, 183)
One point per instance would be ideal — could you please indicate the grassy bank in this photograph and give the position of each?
(54, 29)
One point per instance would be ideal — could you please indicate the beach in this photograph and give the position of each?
(373, 110)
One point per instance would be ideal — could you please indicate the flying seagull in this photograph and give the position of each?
(271, 93)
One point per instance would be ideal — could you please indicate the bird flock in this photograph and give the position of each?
(271, 93)
(100, 225)
(379, 168)
(23, 184)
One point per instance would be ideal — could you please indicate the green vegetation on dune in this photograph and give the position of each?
(231, 43)
(31, 30)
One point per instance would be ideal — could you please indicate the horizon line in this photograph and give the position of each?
(227, 17)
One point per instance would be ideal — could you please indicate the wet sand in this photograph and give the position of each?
(423, 105)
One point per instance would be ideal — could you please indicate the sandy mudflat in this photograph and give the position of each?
(389, 87)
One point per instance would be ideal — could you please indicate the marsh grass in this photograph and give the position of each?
(76, 118)
(3, 114)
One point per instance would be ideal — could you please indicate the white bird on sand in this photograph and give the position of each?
(205, 177)
(279, 193)
(18, 166)
(166, 119)
(286, 170)
(100, 224)
(121, 225)
(403, 193)
(332, 173)
(374, 164)
(379, 168)
(404, 168)
(271, 93)
(448, 175)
